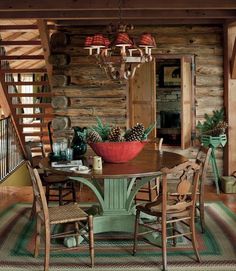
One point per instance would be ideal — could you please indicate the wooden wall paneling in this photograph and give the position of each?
(90, 93)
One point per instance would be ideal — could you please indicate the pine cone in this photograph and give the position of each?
(93, 137)
(135, 133)
(115, 134)
(220, 128)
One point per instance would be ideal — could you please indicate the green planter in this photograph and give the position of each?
(214, 142)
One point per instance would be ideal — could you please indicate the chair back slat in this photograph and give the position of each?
(39, 194)
(186, 189)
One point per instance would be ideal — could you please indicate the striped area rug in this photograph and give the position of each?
(217, 247)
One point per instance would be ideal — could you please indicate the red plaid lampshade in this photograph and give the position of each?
(147, 40)
(98, 40)
(88, 41)
(123, 38)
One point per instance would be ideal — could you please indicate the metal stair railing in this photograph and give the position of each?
(11, 154)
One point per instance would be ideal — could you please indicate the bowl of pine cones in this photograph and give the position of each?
(116, 146)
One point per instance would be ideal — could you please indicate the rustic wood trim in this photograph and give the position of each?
(19, 42)
(44, 36)
(43, 5)
(233, 61)
(21, 57)
(229, 100)
(71, 17)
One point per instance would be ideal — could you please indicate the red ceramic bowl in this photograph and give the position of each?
(118, 152)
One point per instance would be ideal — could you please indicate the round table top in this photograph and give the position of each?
(147, 163)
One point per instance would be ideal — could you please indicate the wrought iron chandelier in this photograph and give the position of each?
(121, 56)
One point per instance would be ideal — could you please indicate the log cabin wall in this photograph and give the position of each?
(83, 91)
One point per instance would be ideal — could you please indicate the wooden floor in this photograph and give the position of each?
(10, 195)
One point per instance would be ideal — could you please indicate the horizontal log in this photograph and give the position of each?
(209, 60)
(90, 92)
(98, 102)
(209, 80)
(205, 91)
(89, 121)
(168, 38)
(93, 112)
(209, 70)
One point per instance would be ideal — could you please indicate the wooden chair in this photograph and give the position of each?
(60, 215)
(203, 158)
(152, 187)
(172, 209)
(58, 187)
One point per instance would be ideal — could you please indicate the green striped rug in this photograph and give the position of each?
(217, 247)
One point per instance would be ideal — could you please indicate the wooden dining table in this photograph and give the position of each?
(117, 184)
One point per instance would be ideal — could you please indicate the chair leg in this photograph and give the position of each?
(136, 231)
(173, 233)
(164, 245)
(60, 195)
(74, 196)
(47, 192)
(37, 237)
(194, 240)
(33, 210)
(202, 213)
(47, 248)
(91, 239)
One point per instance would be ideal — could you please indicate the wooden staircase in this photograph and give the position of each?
(25, 77)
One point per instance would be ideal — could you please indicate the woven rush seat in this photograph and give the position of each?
(66, 213)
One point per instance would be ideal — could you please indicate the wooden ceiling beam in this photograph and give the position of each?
(43, 5)
(134, 14)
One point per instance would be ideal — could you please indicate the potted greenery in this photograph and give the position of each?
(212, 130)
(212, 134)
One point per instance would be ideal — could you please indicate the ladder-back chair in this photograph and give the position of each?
(47, 217)
(170, 210)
